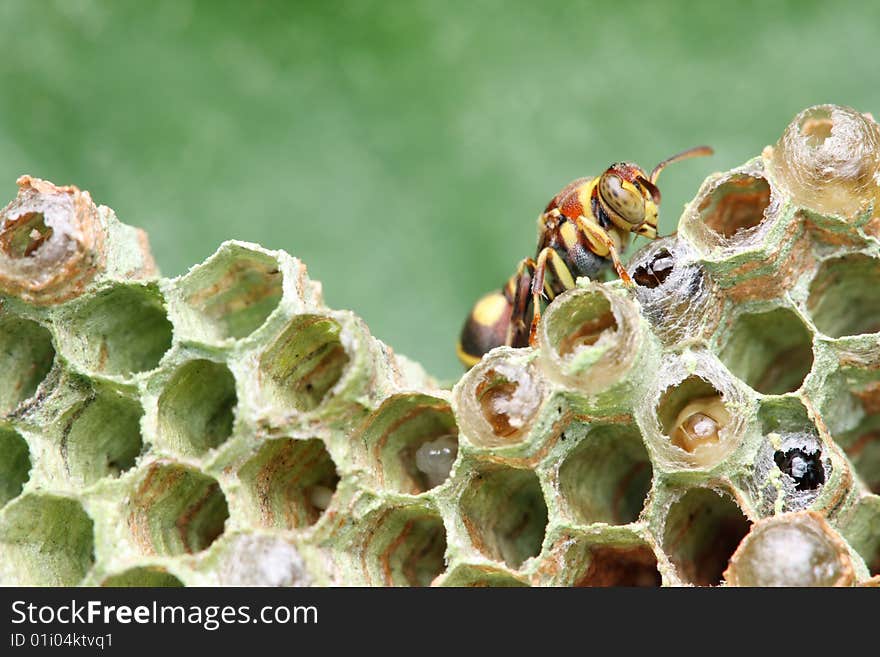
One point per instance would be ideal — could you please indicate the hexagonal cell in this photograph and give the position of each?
(102, 437)
(176, 510)
(703, 529)
(674, 291)
(53, 242)
(620, 565)
(196, 409)
(694, 416)
(233, 293)
(589, 338)
(121, 330)
(26, 356)
(471, 576)
(143, 576)
(505, 514)
(499, 398)
(736, 206)
(845, 296)
(794, 549)
(304, 363)
(862, 530)
(584, 324)
(828, 158)
(289, 482)
(862, 443)
(250, 559)
(792, 462)
(771, 351)
(607, 477)
(413, 441)
(407, 546)
(864, 454)
(45, 540)
(15, 464)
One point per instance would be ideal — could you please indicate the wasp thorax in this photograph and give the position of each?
(622, 198)
(795, 549)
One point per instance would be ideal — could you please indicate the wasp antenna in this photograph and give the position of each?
(696, 151)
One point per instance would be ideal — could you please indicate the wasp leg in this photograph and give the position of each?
(520, 286)
(548, 258)
(612, 251)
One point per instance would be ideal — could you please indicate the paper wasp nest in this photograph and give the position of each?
(720, 424)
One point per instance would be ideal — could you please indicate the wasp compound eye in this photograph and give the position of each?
(622, 198)
(802, 466)
(654, 273)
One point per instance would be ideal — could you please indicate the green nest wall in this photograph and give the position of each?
(719, 423)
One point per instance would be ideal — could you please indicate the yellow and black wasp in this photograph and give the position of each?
(583, 229)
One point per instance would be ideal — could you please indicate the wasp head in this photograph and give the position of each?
(630, 197)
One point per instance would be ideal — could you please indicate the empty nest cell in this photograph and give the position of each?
(583, 325)
(845, 296)
(620, 565)
(472, 576)
(234, 292)
(196, 409)
(141, 577)
(176, 510)
(102, 437)
(505, 514)
(862, 443)
(771, 351)
(862, 530)
(412, 440)
(703, 529)
(26, 356)
(45, 540)
(290, 482)
(119, 331)
(735, 206)
(304, 363)
(407, 547)
(15, 464)
(862, 446)
(589, 337)
(607, 477)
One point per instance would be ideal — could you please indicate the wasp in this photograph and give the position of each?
(582, 231)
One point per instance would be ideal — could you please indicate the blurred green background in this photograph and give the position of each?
(403, 150)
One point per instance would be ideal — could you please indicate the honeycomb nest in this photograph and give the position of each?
(720, 424)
